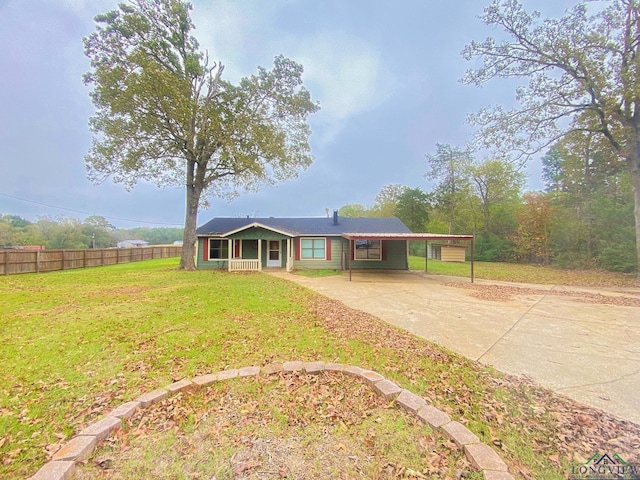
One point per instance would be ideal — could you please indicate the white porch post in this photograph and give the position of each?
(289, 256)
(259, 255)
(230, 251)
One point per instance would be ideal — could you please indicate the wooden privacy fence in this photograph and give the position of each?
(28, 261)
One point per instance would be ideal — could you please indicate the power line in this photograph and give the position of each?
(87, 213)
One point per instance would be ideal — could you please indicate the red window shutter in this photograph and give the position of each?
(236, 248)
(297, 247)
(205, 249)
(328, 248)
(384, 250)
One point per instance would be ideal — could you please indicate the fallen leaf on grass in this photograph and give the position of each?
(10, 457)
(238, 469)
(52, 448)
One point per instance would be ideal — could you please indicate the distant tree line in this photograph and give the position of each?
(70, 233)
(584, 218)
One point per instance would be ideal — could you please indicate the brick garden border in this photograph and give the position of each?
(78, 449)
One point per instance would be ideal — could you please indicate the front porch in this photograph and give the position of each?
(243, 252)
(256, 254)
(243, 265)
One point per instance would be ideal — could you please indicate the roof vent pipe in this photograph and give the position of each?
(335, 217)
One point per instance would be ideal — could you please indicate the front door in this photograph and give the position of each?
(273, 253)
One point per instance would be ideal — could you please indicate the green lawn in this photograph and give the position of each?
(75, 344)
(514, 272)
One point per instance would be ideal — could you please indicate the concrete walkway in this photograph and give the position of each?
(587, 351)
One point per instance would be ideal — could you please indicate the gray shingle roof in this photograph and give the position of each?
(307, 226)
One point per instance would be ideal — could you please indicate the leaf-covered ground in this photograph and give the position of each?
(329, 427)
(294, 426)
(498, 293)
(528, 422)
(526, 273)
(75, 344)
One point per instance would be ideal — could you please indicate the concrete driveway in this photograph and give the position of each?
(555, 335)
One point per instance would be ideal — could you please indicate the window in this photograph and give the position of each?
(218, 249)
(313, 249)
(368, 250)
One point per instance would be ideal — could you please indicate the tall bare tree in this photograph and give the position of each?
(583, 73)
(450, 166)
(495, 182)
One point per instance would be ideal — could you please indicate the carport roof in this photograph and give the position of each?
(405, 236)
(408, 236)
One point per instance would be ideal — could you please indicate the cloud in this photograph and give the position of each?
(345, 74)
(235, 34)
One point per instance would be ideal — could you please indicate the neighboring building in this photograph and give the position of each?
(336, 243)
(132, 243)
(447, 252)
(31, 248)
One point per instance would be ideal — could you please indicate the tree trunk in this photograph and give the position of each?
(588, 203)
(193, 191)
(187, 259)
(486, 214)
(635, 181)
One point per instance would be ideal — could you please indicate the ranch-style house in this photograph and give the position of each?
(332, 242)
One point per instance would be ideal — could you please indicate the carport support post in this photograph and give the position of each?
(472, 260)
(426, 255)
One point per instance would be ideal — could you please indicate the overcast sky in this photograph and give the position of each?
(386, 74)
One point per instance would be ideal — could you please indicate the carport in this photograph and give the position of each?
(353, 237)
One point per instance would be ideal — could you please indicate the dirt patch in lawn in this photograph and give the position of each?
(503, 293)
(291, 426)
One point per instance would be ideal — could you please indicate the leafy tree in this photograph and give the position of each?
(534, 227)
(155, 236)
(354, 210)
(386, 202)
(588, 179)
(164, 114)
(583, 75)
(552, 170)
(450, 166)
(413, 208)
(498, 184)
(98, 232)
(17, 231)
(15, 221)
(63, 233)
(615, 249)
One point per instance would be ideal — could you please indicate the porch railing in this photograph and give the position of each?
(237, 265)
